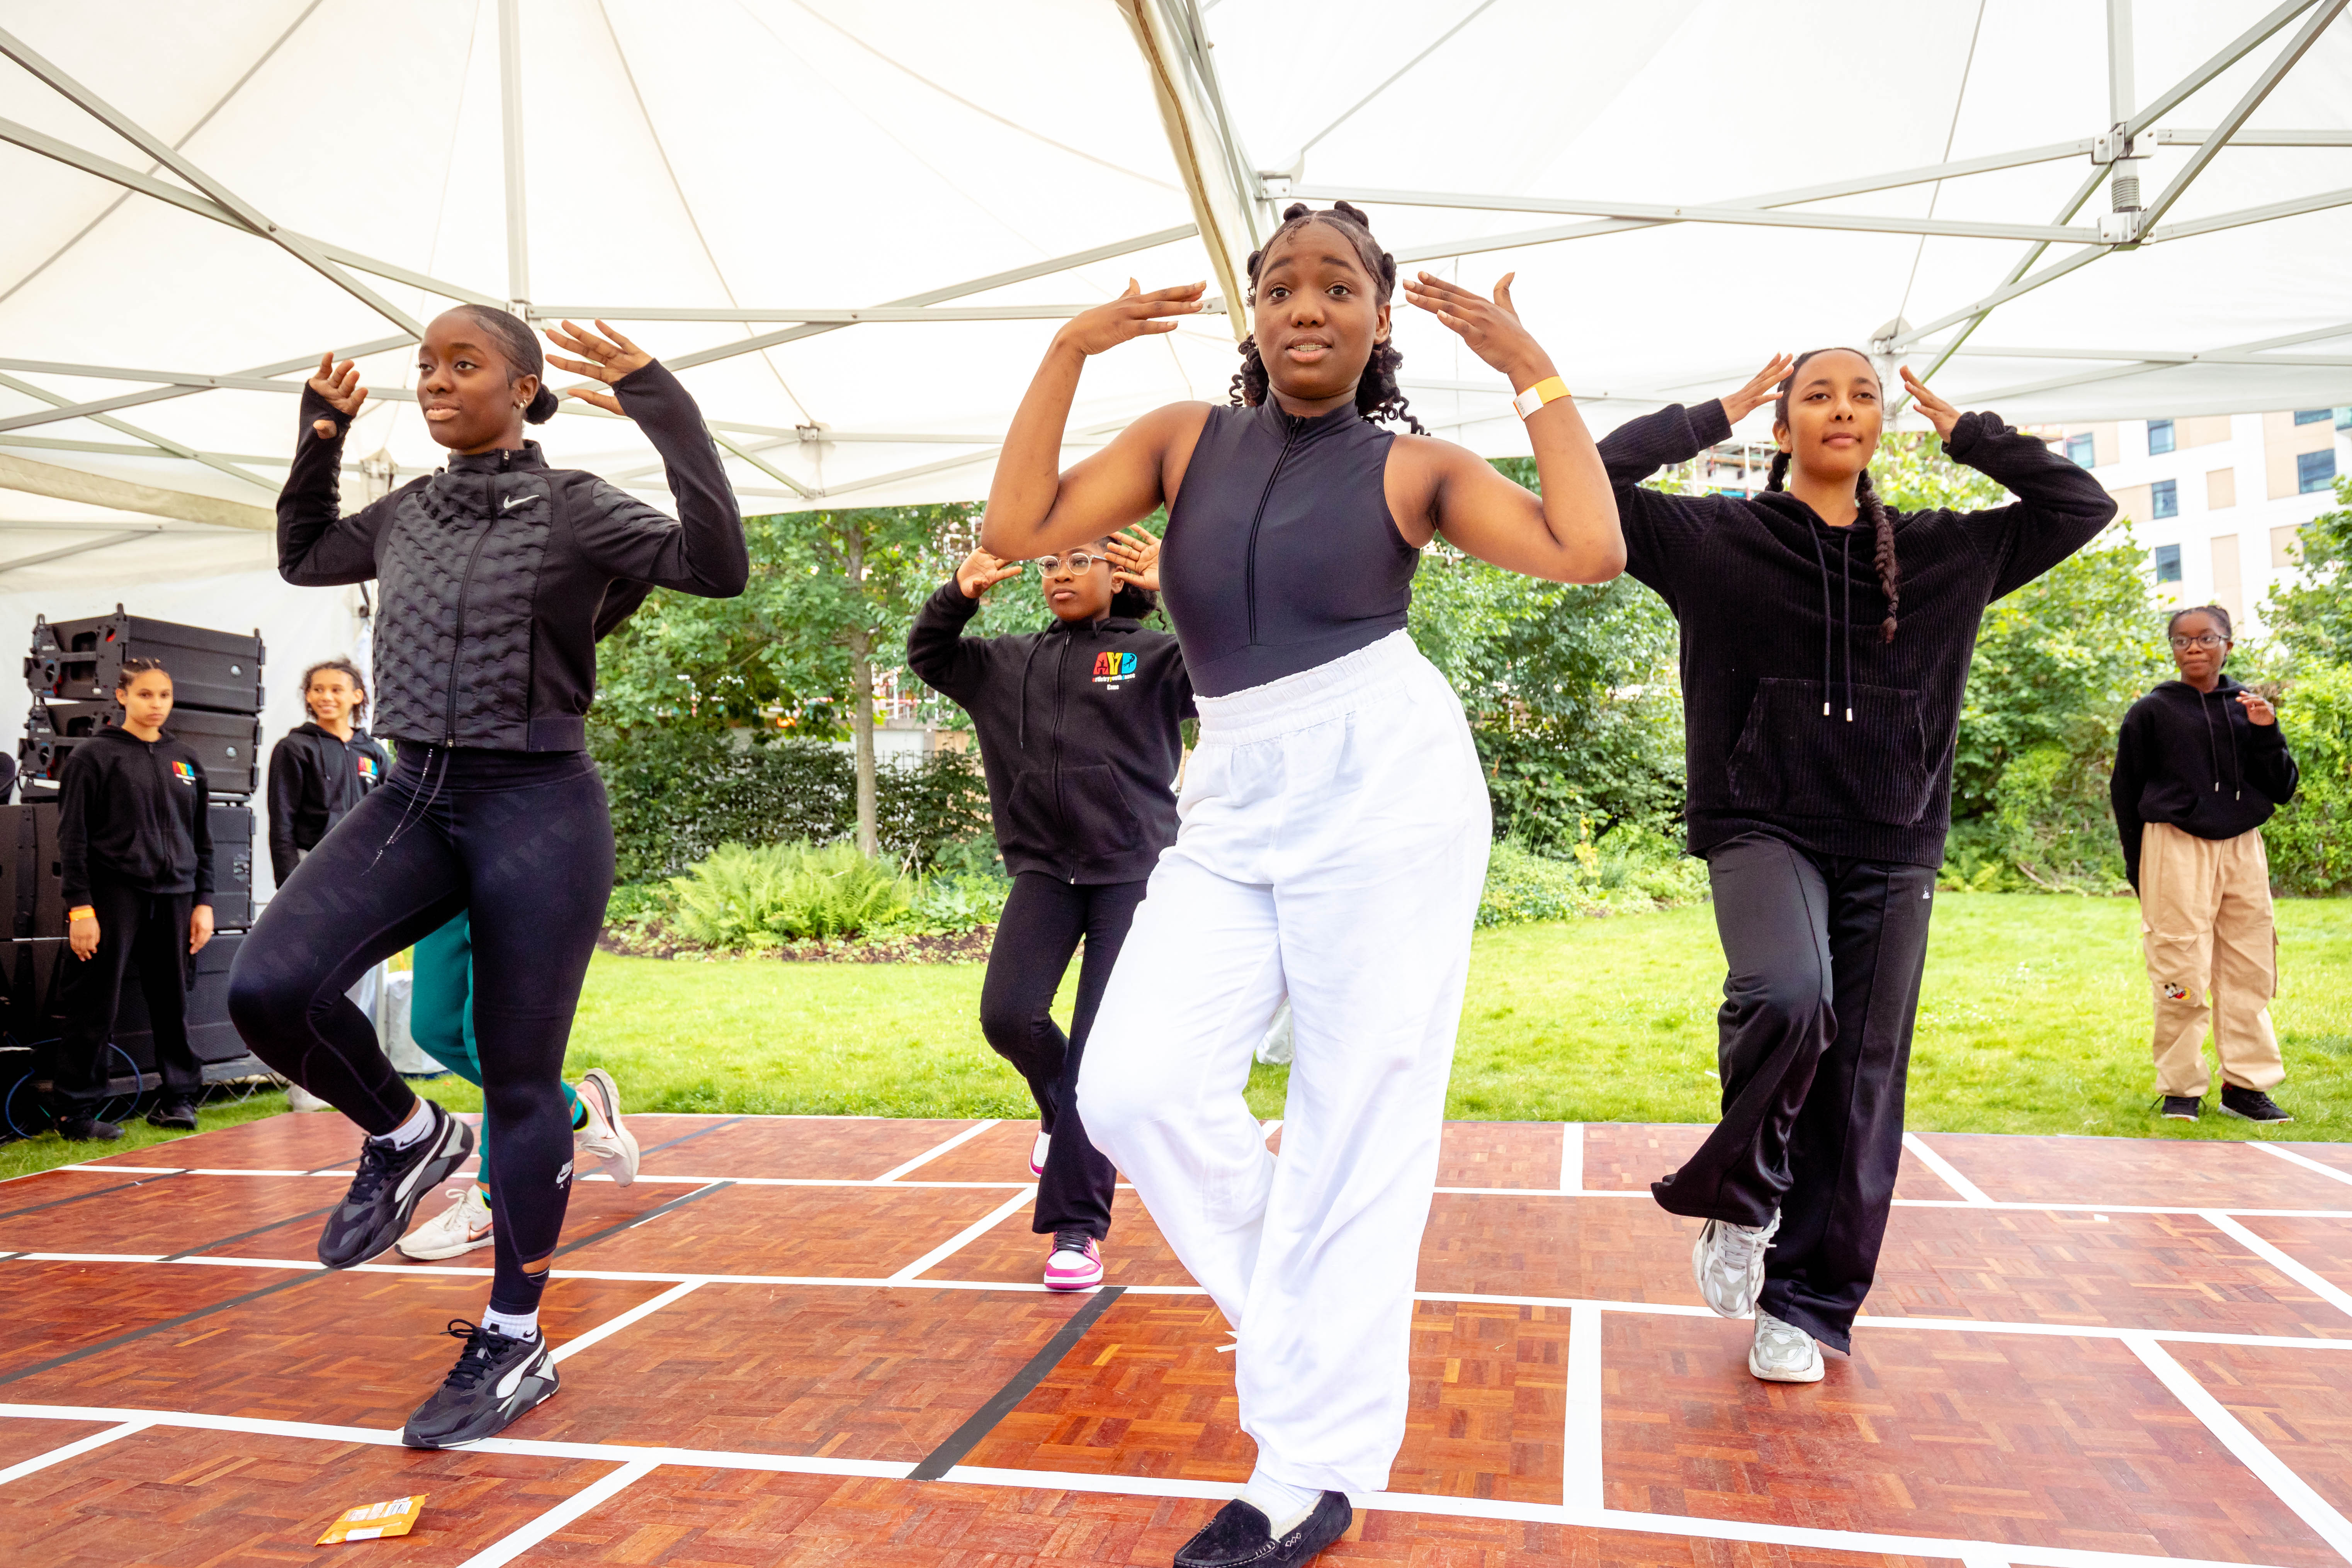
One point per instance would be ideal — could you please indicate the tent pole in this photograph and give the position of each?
(511, 130)
(2211, 148)
(192, 384)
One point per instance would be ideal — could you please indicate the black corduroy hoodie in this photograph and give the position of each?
(1800, 720)
(2193, 758)
(133, 811)
(1078, 735)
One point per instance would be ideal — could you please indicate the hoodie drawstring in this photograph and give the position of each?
(1845, 575)
(1821, 559)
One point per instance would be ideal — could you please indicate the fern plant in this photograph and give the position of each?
(741, 898)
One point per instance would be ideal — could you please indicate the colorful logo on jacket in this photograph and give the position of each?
(1113, 668)
(183, 772)
(367, 766)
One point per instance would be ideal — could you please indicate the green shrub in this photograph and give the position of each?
(1631, 868)
(741, 898)
(945, 905)
(2311, 853)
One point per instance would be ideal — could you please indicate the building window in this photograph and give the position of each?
(2159, 437)
(2313, 470)
(2168, 563)
(2081, 451)
(2343, 418)
(2313, 416)
(2164, 498)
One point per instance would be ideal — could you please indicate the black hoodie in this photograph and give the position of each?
(1077, 734)
(1800, 720)
(315, 777)
(132, 811)
(2193, 758)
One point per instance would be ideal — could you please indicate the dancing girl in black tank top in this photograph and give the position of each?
(1333, 825)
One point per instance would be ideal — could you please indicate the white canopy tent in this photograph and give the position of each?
(853, 224)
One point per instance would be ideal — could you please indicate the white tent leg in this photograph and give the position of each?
(511, 128)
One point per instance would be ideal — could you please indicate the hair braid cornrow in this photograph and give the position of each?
(1378, 395)
(1778, 478)
(1882, 526)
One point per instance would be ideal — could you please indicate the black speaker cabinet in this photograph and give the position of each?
(232, 826)
(78, 660)
(211, 1035)
(227, 745)
(32, 879)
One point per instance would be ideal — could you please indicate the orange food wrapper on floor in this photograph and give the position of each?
(374, 1521)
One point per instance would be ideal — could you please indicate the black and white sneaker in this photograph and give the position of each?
(497, 1378)
(2251, 1105)
(389, 1185)
(1240, 1534)
(2180, 1108)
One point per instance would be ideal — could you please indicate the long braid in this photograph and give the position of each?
(1881, 525)
(1378, 397)
(1777, 480)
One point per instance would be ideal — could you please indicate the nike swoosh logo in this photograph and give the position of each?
(511, 502)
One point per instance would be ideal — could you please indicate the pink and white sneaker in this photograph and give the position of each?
(1037, 1154)
(1075, 1263)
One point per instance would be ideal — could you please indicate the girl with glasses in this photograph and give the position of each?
(2200, 766)
(1078, 728)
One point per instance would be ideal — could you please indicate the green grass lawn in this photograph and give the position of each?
(2033, 1018)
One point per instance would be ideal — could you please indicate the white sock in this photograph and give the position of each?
(1286, 1507)
(419, 1122)
(514, 1325)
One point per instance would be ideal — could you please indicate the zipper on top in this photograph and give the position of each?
(1290, 427)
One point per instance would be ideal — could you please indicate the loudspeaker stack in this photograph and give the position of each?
(216, 712)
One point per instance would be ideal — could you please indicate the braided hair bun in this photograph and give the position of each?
(1376, 393)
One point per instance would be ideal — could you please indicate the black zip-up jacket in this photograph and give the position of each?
(1800, 720)
(1077, 735)
(2193, 758)
(492, 571)
(315, 776)
(133, 811)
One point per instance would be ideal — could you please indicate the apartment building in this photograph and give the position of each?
(2218, 502)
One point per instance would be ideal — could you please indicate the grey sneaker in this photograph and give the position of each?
(1783, 1352)
(1728, 1264)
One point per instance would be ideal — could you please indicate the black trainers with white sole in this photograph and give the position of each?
(391, 1183)
(1241, 1535)
(2251, 1105)
(2180, 1108)
(497, 1379)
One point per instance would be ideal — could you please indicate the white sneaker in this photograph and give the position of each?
(1783, 1352)
(604, 1136)
(300, 1098)
(463, 1226)
(1728, 1264)
(1037, 1154)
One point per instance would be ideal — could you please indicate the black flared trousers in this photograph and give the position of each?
(1814, 1040)
(1039, 929)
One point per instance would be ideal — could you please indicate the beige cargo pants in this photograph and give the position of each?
(2206, 926)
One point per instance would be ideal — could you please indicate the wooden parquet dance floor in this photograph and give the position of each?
(822, 1340)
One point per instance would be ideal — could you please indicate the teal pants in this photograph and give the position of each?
(441, 1009)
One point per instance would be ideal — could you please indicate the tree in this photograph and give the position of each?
(2310, 614)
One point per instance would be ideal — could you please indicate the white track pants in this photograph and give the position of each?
(1333, 846)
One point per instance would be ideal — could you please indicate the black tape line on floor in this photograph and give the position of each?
(243, 1235)
(93, 1192)
(966, 1437)
(689, 1137)
(651, 1213)
(137, 1334)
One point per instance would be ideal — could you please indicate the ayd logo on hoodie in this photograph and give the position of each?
(367, 766)
(185, 774)
(1111, 668)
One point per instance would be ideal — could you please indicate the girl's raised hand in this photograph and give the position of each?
(1491, 327)
(340, 385)
(607, 358)
(980, 572)
(2258, 707)
(1133, 314)
(1134, 557)
(1761, 388)
(1940, 414)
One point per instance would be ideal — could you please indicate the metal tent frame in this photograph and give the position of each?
(1234, 204)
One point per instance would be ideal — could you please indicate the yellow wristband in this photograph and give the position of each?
(80, 913)
(1550, 389)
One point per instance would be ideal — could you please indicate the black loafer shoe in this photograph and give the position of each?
(87, 1129)
(179, 1113)
(1241, 1537)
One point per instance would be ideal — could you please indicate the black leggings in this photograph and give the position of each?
(1039, 929)
(524, 842)
(1814, 1043)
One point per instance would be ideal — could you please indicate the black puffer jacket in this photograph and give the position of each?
(1077, 734)
(493, 570)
